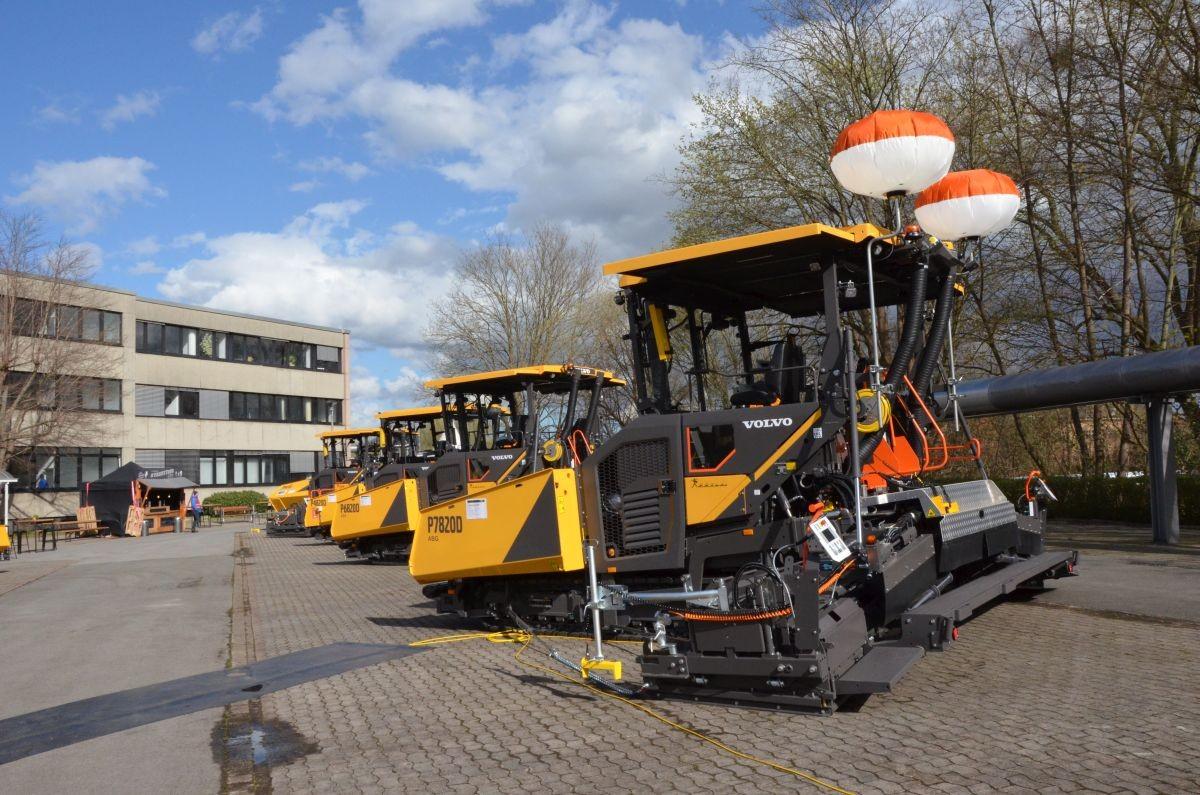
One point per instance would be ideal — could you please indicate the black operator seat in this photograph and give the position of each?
(782, 380)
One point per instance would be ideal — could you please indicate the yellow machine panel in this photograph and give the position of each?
(383, 510)
(288, 494)
(319, 511)
(529, 525)
(709, 497)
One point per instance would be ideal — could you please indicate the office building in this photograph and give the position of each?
(233, 401)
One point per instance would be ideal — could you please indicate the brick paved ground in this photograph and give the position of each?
(1032, 699)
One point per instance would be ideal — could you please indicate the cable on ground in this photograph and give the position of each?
(524, 639)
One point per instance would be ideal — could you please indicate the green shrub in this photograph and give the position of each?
(231, 499)
(1110, 499)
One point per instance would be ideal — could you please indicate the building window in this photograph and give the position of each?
(214, 468)
(284, 408)
(207, 344)
(181, 403)
(332, 412)
(63, 469)
(61, 321)
(329, 359)
(69, 392)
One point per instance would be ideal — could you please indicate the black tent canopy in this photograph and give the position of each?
(112, 495)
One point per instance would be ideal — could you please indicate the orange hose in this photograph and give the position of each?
(1028, 482)
(731, 619)
(832, 581)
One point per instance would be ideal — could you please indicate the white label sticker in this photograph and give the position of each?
(365, 500)
(477, 508)
(830, 540)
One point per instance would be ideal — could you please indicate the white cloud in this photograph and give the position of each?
(57, 112)
(305, 186)
(188, 240)
(233, 32)
(370, 394)
(92, 252)
(352, 171)
(83, 192)
(319, 69)
(321, 268)
(146, 267)
(129, 107)
(597, 117)
(144, 247)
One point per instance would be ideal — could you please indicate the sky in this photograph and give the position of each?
(328, 163)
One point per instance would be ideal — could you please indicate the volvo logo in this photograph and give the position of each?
(775, 422)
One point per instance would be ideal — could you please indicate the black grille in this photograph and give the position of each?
(631, 517)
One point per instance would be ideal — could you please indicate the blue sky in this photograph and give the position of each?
(262, 157)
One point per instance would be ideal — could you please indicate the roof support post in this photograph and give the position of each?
(1164, 491)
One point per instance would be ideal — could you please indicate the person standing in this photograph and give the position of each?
(197, 508)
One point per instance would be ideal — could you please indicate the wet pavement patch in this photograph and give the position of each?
(45, 730)
(270, 742)
(246, 746)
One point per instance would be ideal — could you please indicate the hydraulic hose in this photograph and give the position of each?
(937, 335)
(914, 320)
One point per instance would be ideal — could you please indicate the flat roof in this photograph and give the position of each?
(245, 315)
(781, 270)
(422, 413)
(816, 233)
(425, 412)
(349, 433)
(548, 377)
(199, 308)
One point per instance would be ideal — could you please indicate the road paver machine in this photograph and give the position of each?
(504, 506)
(375, 521)
(781, 543)
(346, 455)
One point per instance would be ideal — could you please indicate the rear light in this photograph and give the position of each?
(954, 634)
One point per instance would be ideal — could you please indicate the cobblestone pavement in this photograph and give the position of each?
(1030, 700)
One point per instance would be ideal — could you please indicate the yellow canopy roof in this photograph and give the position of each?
(421, 413)
(348, 433)
(545, 377)
(782, 270)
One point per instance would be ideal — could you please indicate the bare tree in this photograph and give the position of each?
(1093, 107)
(48, 374)
(537, 301)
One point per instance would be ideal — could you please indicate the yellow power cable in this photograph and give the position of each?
(525, 638)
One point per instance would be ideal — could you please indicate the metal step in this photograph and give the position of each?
(931, 625)
(881, 668)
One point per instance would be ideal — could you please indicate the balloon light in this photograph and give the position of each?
(967, 204)
(892, 153)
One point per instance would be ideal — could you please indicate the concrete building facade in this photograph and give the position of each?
(234, 401)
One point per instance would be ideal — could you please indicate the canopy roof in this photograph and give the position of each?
(546, 379)
(348, 433)
(167, 483)
(5, 477)
(779, 270)
(417, 414)
(159, 478)
(424, 413)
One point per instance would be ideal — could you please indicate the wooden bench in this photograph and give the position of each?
(232, 510)
(84, 524)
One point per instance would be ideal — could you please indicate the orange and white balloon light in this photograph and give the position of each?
(892, 153)
(968, 204)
